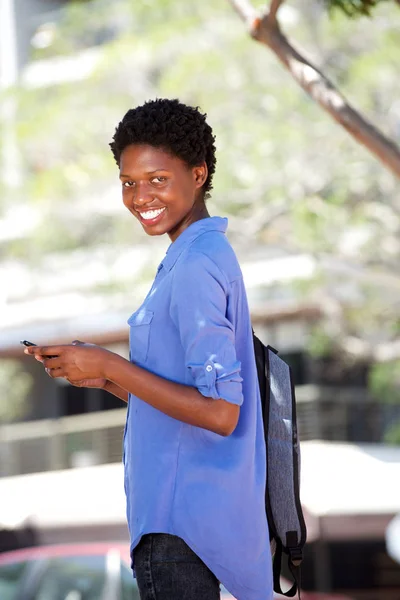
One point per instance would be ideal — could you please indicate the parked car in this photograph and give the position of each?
(99, 571)
(95, 571)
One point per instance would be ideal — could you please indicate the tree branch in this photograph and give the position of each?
(318, 87)
(273, 11)
(245, 11)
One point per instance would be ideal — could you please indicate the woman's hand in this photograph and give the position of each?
(83, 365)
(99, 383)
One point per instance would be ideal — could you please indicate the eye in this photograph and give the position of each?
(159, 179)
(128, 184)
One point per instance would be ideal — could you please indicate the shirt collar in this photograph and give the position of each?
(188, 236)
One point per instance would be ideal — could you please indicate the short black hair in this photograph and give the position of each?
(177, 128)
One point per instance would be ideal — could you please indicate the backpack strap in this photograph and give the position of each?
(294, 561)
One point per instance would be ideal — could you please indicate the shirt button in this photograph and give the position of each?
(208, 368)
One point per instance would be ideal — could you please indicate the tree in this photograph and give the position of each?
(354, 8)
(361, 329)
(266, 29)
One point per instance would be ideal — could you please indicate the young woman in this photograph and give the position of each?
(194, 451)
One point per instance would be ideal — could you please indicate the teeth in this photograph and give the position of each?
(151, 214)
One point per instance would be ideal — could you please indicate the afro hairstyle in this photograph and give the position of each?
(168, 124)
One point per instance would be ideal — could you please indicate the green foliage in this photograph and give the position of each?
(353, 8)
(392, 435)
(272, 147)
(320, 343)
(15, 385)
(90, 23)
(384, 382)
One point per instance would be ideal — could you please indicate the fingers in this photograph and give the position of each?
(51, 350)
(52, 363)
(45, 350)
(53, 367)
(83, 382)
(54, 373)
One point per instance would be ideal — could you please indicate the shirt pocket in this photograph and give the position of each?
(139, 335)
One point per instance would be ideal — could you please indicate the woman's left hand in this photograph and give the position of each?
(75, 362)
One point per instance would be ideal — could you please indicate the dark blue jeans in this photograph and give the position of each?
(167, 569)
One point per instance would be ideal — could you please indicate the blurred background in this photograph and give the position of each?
(313, 216)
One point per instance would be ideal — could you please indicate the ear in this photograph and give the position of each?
(200, 174)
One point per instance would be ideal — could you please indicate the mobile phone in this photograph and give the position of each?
(26, 343)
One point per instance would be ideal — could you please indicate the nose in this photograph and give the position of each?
(141, 195)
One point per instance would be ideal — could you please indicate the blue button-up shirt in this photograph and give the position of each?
(194, 328)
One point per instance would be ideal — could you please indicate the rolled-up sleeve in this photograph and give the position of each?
(198, 308)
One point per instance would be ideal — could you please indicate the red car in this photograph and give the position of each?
(98, 571)
(95, 571)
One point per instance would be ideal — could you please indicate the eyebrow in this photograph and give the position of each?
(147, 172)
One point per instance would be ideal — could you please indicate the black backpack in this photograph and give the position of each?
(282, 494)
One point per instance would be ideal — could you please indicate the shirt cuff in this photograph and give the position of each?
(213, 380)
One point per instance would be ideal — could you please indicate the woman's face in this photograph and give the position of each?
(161, 190)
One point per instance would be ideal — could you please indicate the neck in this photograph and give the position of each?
(198, 212)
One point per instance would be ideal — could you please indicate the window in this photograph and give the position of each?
(333, 371)
(109, 402)
(77, 401)
(297, 362)
(129, 589)
(368, 567)
(73, 578)
(10, 580)
(74, 400)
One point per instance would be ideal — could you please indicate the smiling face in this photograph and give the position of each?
(161, 190)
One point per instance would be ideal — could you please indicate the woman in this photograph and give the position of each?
(194, 450)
